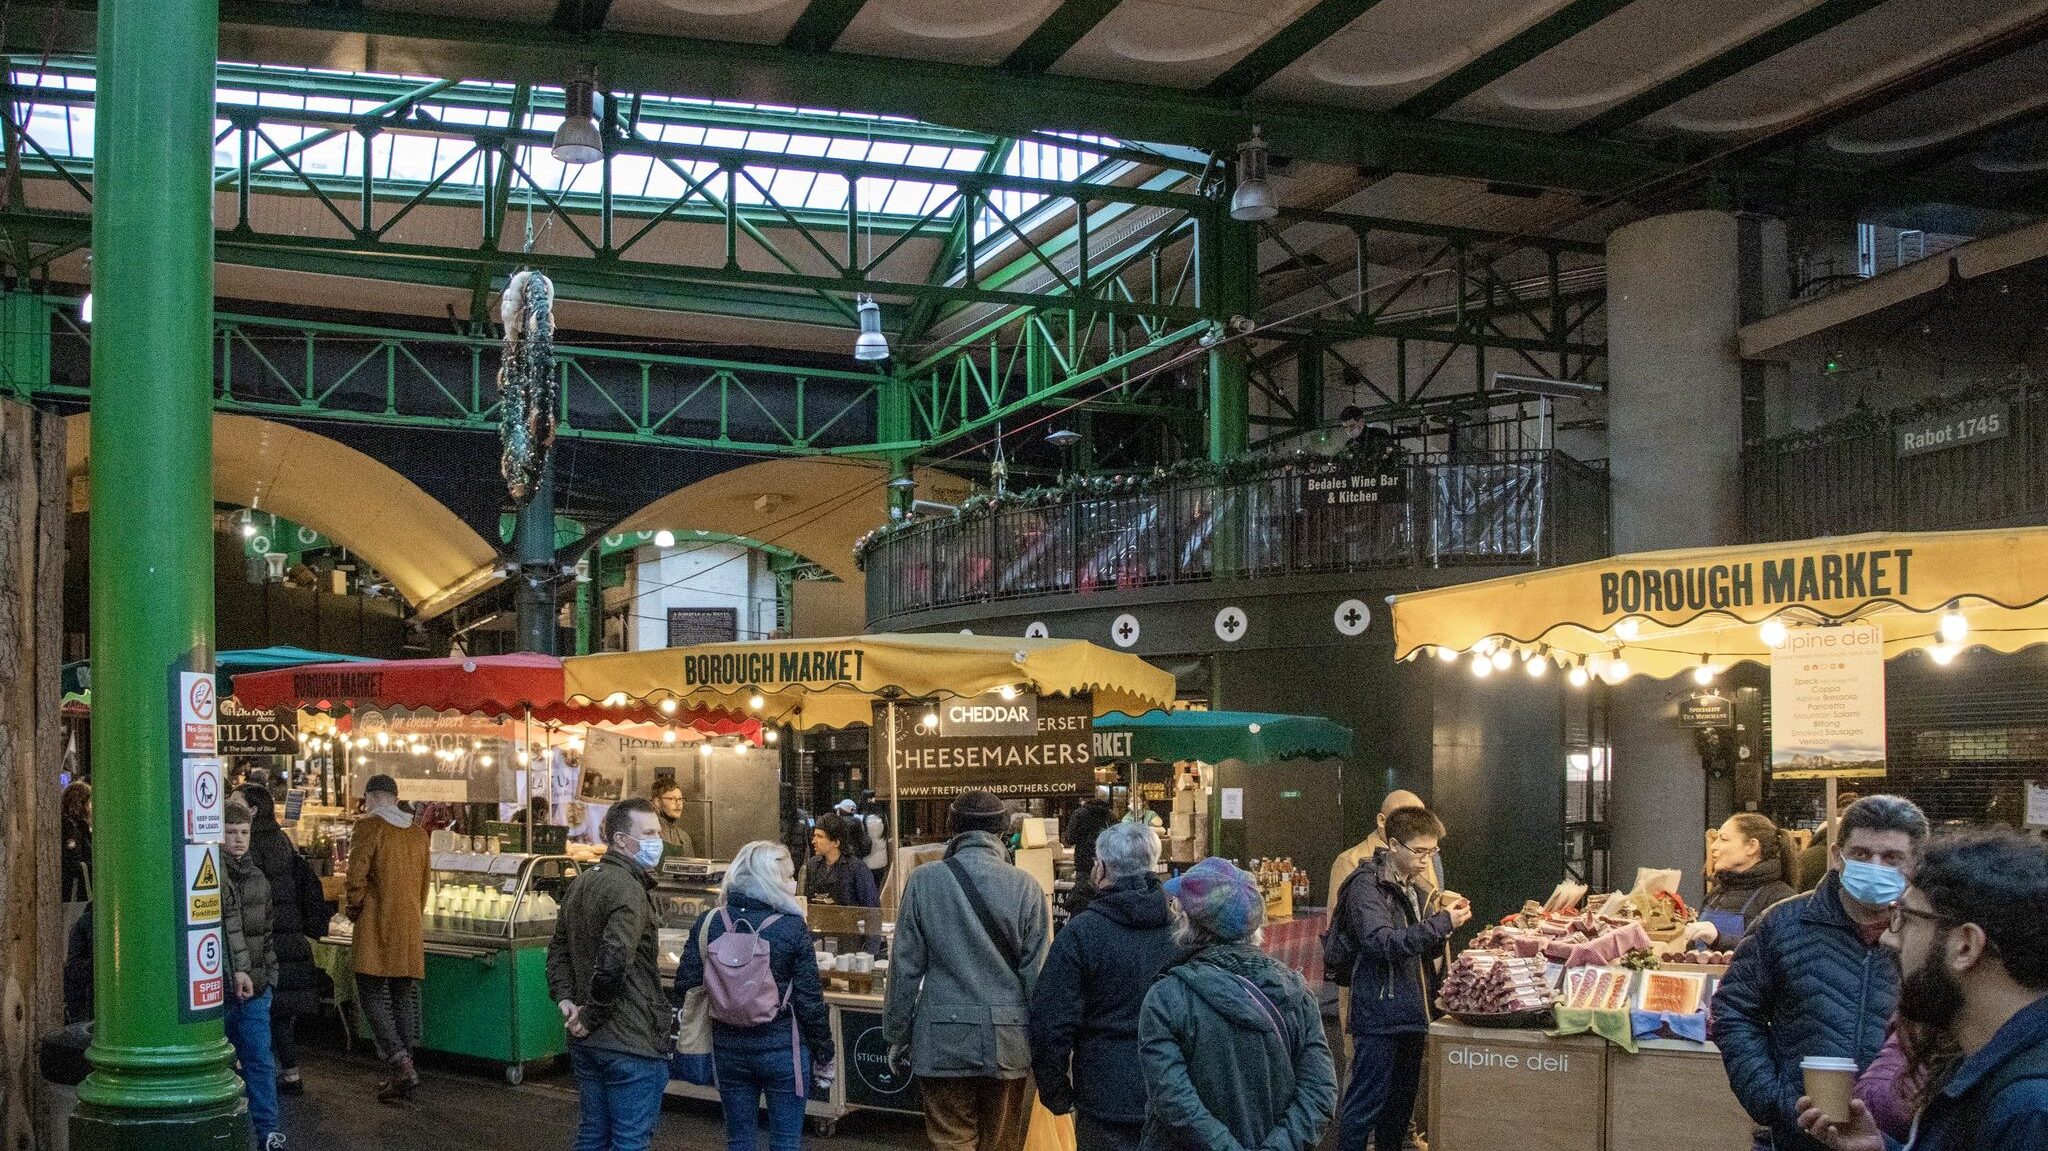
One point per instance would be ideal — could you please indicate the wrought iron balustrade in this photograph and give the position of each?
(1524, 508)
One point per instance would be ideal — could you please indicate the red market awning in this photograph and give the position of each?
(507, 685)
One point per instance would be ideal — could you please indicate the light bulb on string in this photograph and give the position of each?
(1617, 670)
(1704, 673)
(1502, 659)
(1628, 629)
(1772, 633)
(1578, 676)
(1008, 691)
(1942, 654)
(1954, 627)
(771, 735)
(1481, 665)
(1447, 654)
(756, 702)
(1536, 665)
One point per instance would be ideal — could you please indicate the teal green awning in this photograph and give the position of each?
(77, 686)
(1214, 736)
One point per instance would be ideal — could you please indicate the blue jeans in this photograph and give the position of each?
(1386, 1071)
(248, 1026)
(743, 1078)
(620, 1098)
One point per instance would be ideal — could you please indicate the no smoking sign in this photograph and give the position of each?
(197, 713)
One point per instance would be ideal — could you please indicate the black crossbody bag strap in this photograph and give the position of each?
(1003, 942)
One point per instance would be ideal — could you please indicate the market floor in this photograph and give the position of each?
(468, 1107)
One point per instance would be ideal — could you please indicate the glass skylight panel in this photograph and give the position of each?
(407, 155)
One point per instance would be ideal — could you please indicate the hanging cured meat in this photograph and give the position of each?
(527, 386)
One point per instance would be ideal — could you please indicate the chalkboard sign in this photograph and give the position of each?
(294, 803)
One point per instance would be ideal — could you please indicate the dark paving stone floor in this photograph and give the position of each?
(463, 1106)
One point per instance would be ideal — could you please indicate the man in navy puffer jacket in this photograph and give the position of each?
(1086, 1004)
(1813, 978)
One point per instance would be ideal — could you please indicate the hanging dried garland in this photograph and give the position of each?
(527, 385)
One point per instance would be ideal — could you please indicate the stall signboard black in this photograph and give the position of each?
(1357, 482)
(251, 731)
(1056, 757)
(1707, 710)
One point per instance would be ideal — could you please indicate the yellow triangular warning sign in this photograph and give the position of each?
(208, 878)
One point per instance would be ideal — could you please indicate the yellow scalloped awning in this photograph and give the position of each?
(1664, 613)
(813, 683)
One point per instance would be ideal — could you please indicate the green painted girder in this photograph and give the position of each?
(1510, 54)
(822, 23)
(1061, 29)
(983, 99)
(1289, 44)
(1789, 33)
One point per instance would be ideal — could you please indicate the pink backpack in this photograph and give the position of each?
(739, 978)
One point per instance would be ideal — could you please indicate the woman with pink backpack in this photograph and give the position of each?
(771, 1033)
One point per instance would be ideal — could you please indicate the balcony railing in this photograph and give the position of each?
(1527, 508)
(1853, 476)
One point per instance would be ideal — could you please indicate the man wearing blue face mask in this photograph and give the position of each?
(602, 972)
(1813, 979)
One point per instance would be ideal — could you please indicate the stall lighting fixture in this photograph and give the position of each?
(522, 758)
(1942, 654)
(577, 140)
(85, 309)
(1008, 691)
(668, 707)
(1484, 646)
(756, 702)
(930, 720)
(704, 749)
(383, 740)
(1617, 670)
(1578, 676)
(487, 760)
(664, 538)
(1447, 654)
(1704, 673)
(771, 735)
(1536, 666)
(1481, 666)
(1772, 633)
(1954, 627)
(248, 524)
(1502, 659)
(1253, 728)
(871, 346)
(1253, 200)
(668, 737)
(1628, 629)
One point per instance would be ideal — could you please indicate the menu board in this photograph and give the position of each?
(1827, 703)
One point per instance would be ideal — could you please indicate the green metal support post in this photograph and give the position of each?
(1229, 294)
(162, 1076)
(533, 545)
(893, 424)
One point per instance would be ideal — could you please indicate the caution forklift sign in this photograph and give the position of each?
(202, 884)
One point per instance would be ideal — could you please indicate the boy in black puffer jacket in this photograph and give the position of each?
(251, 971)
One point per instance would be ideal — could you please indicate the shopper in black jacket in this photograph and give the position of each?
(1084, 1010)
(299, 913)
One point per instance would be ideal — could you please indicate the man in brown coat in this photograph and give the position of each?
(387, 894)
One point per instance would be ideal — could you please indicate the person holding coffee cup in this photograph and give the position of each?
(1972, 937)
(1812, 977)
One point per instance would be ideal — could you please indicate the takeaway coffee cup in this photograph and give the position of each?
(1828, 1083)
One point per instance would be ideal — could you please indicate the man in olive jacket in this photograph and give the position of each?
(602, 972)
(960, 977)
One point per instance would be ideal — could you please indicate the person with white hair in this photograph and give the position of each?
(1084, 1010)
(781, 1057)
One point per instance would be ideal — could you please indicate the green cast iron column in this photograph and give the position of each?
(158, 1081)
(533, 544)
(1232, 264)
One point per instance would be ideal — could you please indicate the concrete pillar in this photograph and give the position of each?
(1674, 396)
(1676, 293)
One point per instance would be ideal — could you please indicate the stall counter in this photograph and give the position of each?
(1493, 1088)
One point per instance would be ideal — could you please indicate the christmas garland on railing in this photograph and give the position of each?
(1866, 421)
(1117, 485)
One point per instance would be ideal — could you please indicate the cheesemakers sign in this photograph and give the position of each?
(1052, 758)
(244, 731)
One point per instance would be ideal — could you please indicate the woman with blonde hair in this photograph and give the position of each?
(768, 1058)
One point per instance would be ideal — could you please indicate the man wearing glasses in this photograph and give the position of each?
(1972, 938)
(1383, 936)
(1813, 977)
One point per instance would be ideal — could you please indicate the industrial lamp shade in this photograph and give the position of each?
(871, 345)
(1063, 437)
(1253, 200)
(577, 140)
